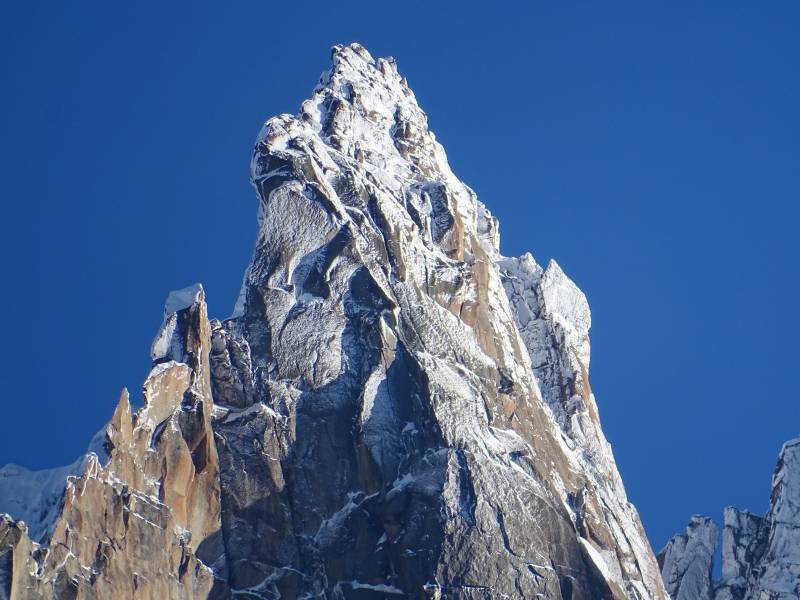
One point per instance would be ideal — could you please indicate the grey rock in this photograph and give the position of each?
(740, 534)
(760, 555)
(397, 410)
(687, 561)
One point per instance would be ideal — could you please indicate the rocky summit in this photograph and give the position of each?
(394, 410)
(760, 554)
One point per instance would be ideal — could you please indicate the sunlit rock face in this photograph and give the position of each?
(760, 555)
(143, 519)
(394, 410)
(687, 561)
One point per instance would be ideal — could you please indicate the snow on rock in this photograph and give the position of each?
(144, 512)
(394, 410)
(553, 318)
(167, 343)
(183, 298)
(35, 496)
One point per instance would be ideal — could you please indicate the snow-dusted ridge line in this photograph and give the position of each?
(395, 408)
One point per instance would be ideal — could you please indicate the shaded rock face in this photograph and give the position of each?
(760, 555)
(688, 559)
(741, 532)
(395, 410)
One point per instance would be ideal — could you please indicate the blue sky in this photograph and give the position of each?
(650, 147)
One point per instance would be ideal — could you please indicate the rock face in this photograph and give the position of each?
(144, 522)
(740, 532)
(395, 410)
(760, 555)
(687, 561)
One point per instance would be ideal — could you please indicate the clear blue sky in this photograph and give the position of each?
(650, 147)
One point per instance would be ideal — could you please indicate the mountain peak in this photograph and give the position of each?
(353, 69)
(394, 411)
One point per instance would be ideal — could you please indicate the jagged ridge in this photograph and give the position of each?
(760, 555)
(394, 410)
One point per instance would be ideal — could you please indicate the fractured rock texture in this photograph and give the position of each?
(687, 561)
(395, 410)
(760, 555)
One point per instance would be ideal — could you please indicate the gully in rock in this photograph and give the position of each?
(395, 410)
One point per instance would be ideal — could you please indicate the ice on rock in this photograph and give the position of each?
(183, 298)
